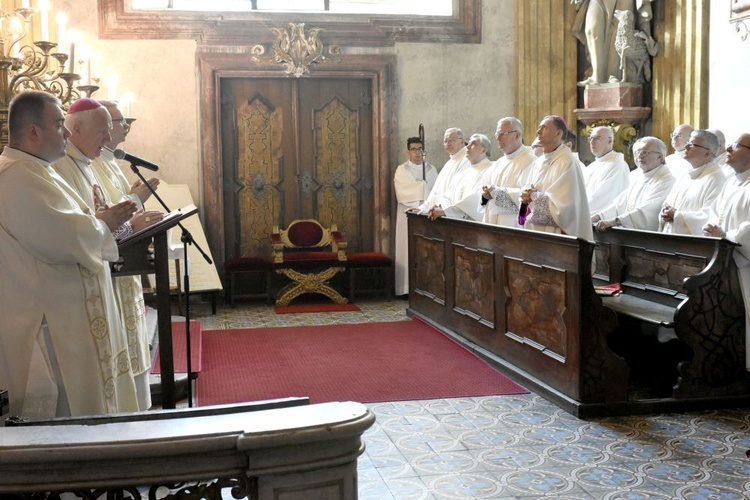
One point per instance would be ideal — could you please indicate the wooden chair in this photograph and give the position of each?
(310, 255)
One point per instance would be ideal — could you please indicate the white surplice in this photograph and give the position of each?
(59, 354)
(638, 207)
(731, 212)
(605, 178)
(560, 204)
(690, 196)
(445, 180)
(464, 199)
(411, 190)
(506, 178)
(128, 289)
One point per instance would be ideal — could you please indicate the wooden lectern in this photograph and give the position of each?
(136, 258)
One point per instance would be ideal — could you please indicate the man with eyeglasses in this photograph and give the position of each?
(555, 200)
(638, 206)
(608, 175)
(676, 161)
(695, 191)
(128, 289)
(412, 182)
(503, 181)
(462, 201)
(455, 145)
(729, 217)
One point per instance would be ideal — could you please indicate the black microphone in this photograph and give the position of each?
(140, 162)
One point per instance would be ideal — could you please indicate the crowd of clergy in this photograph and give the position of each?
(73, 340)
(702, 188)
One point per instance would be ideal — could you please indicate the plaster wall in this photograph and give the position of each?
(729, 74)
(440, 85)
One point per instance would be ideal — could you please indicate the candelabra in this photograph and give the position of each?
(34, 66)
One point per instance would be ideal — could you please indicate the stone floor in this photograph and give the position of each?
(523, 446)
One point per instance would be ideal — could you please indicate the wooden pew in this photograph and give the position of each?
(689, 284)
(306, 451)
(525, 301)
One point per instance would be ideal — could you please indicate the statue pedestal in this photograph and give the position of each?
(616, 105)
(613, 95)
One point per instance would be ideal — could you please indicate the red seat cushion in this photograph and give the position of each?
(239, 264)
(368, 259)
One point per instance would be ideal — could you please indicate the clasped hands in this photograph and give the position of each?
(667, 213)
(527, 193)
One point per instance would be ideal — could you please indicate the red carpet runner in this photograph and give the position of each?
(369, 362)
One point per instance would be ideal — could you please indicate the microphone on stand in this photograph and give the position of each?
(140, 162)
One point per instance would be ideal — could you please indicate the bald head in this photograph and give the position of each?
(601, 141)
(680, 136)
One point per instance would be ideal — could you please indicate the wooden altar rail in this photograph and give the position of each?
(525, 301)
(305, 451)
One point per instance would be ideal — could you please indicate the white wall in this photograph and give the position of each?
(440, 85)
(729, 75)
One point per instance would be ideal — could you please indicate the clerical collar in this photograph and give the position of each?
(606, 155)
(653, 171)
(515, 153)
(12, 151)
(75, 154)
(460, 153)
(742, 176)
(548, 156)
(697, 172)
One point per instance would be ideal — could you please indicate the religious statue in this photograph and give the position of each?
(617, 36)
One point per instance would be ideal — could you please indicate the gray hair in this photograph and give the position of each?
(513, 121)
(484, 141)
(455, 130)
(720, 137)
(660, 146)
(712, 142)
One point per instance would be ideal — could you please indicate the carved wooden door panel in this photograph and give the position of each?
(296, 149)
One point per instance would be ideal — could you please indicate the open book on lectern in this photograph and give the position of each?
(168, 221)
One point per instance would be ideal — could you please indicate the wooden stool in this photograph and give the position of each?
(378, 261)
(248, 265)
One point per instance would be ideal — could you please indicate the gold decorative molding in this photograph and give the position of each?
(298, 50)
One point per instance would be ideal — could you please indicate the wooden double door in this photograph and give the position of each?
(293, 149)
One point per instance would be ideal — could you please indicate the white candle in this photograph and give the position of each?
(44, 7)
(62, 20)
(72, 55)
(25, 4)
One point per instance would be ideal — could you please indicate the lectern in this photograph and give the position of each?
(136, 258)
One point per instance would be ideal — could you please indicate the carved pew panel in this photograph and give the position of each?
(526, 299)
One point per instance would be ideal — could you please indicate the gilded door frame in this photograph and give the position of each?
(213, 66)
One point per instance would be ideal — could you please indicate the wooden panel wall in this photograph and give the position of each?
(680, 83)
(546, 61)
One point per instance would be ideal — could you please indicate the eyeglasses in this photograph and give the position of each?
(694, 145)
(446, 141)
(737, 146)
(644, 152)
(595, 138)
(121, 121)
(503, 134)
(416, 149)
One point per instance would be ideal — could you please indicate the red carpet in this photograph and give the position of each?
(179, 348)
(367, 362)
(314, 308)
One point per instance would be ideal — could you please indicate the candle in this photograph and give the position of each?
(72, 55)
(61, 20)
(44, 7)
(25, 4)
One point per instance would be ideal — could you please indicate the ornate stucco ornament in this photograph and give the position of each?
(298, 50)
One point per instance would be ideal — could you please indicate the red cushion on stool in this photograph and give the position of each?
(368, 259)
(239, 264)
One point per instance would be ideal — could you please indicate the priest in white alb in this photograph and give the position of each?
(555, 201)
(503, 181)
(682, 211)
(609, 174)
(412, 182)
(455, 145)
(638, 206)
(729, 217)
(462, 199)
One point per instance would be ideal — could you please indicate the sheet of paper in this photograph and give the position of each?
(203, 276)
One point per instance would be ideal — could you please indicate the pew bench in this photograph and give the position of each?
(263, 454)
(689, 286)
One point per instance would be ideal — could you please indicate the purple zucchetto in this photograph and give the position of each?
(83, 104)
